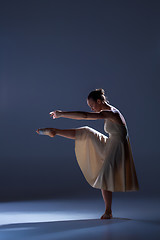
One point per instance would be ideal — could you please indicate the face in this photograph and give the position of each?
(95, 106)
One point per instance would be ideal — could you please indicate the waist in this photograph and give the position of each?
(118, 135)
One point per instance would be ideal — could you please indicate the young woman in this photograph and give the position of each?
(106, 162)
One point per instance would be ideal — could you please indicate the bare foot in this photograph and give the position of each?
(107, 215)
(51, 132)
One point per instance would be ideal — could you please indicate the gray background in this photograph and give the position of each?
(52, 54)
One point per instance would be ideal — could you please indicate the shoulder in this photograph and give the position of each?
(118, 116)
(112, 110)
(113, 114)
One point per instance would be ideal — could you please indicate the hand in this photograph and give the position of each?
(55, 114)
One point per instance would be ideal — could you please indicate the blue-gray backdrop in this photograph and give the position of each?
(52, 54)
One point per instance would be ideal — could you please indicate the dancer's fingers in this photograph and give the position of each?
(56, 114)
(52, 113)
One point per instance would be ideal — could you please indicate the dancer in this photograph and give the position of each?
(105, 161)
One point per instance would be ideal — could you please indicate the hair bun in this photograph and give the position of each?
(101, 91)
(98, 94)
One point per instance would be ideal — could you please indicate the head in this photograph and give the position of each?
(96, 100)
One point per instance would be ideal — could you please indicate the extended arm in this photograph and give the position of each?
(79, 115)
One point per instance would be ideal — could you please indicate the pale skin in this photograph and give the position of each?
(102, 110)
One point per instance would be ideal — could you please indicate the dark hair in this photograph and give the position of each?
(98, 94)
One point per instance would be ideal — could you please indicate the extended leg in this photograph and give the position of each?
(107, 196)
(68, 133)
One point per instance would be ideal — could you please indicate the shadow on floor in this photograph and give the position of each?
(57, 226)
(88, 229)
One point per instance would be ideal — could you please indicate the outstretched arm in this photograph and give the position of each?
(79, 115)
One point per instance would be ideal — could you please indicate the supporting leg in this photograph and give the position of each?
(107, 197)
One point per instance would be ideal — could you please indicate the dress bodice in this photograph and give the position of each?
(113, 128)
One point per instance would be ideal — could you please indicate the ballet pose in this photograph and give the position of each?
(105, 161)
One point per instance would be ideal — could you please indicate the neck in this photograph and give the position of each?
(105, 106)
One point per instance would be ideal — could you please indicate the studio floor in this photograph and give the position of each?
(80, 219)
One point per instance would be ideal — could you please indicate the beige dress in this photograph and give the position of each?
(106, 162)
